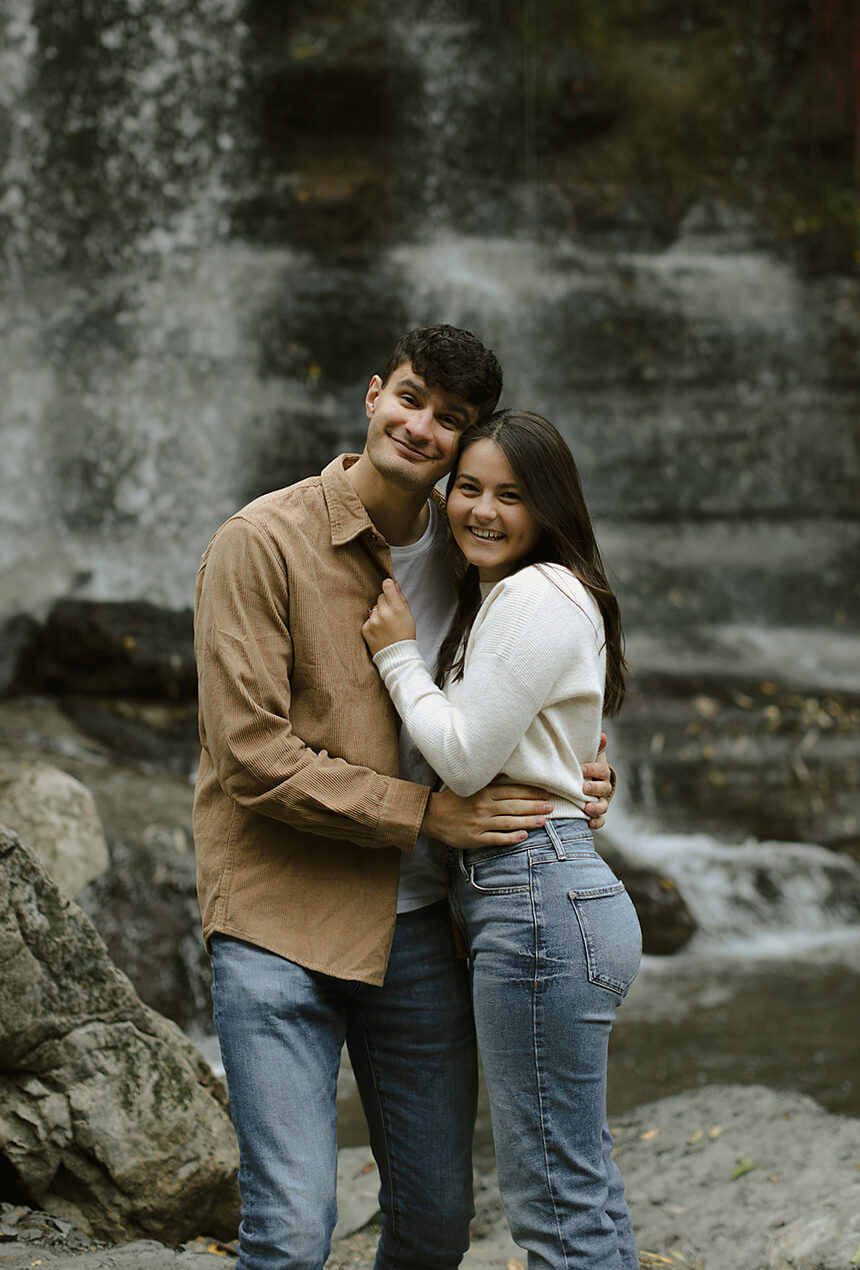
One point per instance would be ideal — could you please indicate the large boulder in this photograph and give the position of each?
(108, 1115)
(57, 816)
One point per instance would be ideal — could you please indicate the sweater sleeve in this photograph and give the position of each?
(519, 646)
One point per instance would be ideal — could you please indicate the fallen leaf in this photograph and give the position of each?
(855, 1260)
(697, 1137)
(651, 1133)
(744, 1166)
(516, 1265)
(715, 1132)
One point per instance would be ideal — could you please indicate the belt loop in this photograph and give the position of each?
(555, 840)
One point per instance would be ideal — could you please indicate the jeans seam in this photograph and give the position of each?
(383, 1124)
(539, 1071)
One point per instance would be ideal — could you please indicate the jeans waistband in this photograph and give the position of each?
(563, 836)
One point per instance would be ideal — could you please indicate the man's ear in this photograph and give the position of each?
(372, 397)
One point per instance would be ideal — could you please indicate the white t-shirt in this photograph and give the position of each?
(423, 577)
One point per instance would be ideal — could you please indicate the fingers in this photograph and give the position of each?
(597, 791)
(507, 815)
(496, 840)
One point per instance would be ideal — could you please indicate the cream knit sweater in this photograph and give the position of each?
(529, 705)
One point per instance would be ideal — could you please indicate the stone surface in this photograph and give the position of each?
(133, 649)
(747, 1177)
(18, 640)
(57, 816)
(107, 1113)
(745, 733)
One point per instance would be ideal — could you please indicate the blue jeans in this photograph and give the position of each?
(554, 944)
(411, 1043)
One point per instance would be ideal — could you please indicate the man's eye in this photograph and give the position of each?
(450, 424)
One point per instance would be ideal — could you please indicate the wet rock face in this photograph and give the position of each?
(121, 108)
(220, 215)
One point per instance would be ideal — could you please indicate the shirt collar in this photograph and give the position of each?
(347, 514)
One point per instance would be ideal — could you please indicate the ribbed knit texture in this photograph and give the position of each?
(529, 704)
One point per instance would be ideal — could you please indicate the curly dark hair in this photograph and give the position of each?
(454, 359)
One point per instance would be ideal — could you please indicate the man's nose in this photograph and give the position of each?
(420, 422)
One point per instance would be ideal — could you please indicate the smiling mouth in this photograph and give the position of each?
(486, 535)
(409, 450)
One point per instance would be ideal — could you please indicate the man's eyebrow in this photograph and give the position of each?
(420, 389)
(414, 385)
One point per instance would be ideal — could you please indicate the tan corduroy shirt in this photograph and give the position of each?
(299, 815)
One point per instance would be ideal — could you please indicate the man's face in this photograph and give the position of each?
(414, 430)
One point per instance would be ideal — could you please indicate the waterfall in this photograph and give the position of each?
(755, 899)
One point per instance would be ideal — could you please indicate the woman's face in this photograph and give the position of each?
(491, 524)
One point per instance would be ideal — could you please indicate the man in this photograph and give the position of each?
(323, 899)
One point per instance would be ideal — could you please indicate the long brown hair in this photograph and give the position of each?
(549, 485)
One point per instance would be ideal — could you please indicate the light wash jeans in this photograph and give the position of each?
(411, 1043)
(554, 944)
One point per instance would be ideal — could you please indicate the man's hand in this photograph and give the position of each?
(497, 816)
(598, 786)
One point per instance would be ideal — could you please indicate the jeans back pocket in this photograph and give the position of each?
(611, 935)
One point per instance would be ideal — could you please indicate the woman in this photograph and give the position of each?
(533, 660)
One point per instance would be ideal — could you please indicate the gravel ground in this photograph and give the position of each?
(718, 1178)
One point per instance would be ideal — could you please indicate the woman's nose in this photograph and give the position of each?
(484, 509)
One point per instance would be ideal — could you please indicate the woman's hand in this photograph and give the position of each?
(598, 786)
(390, 620)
